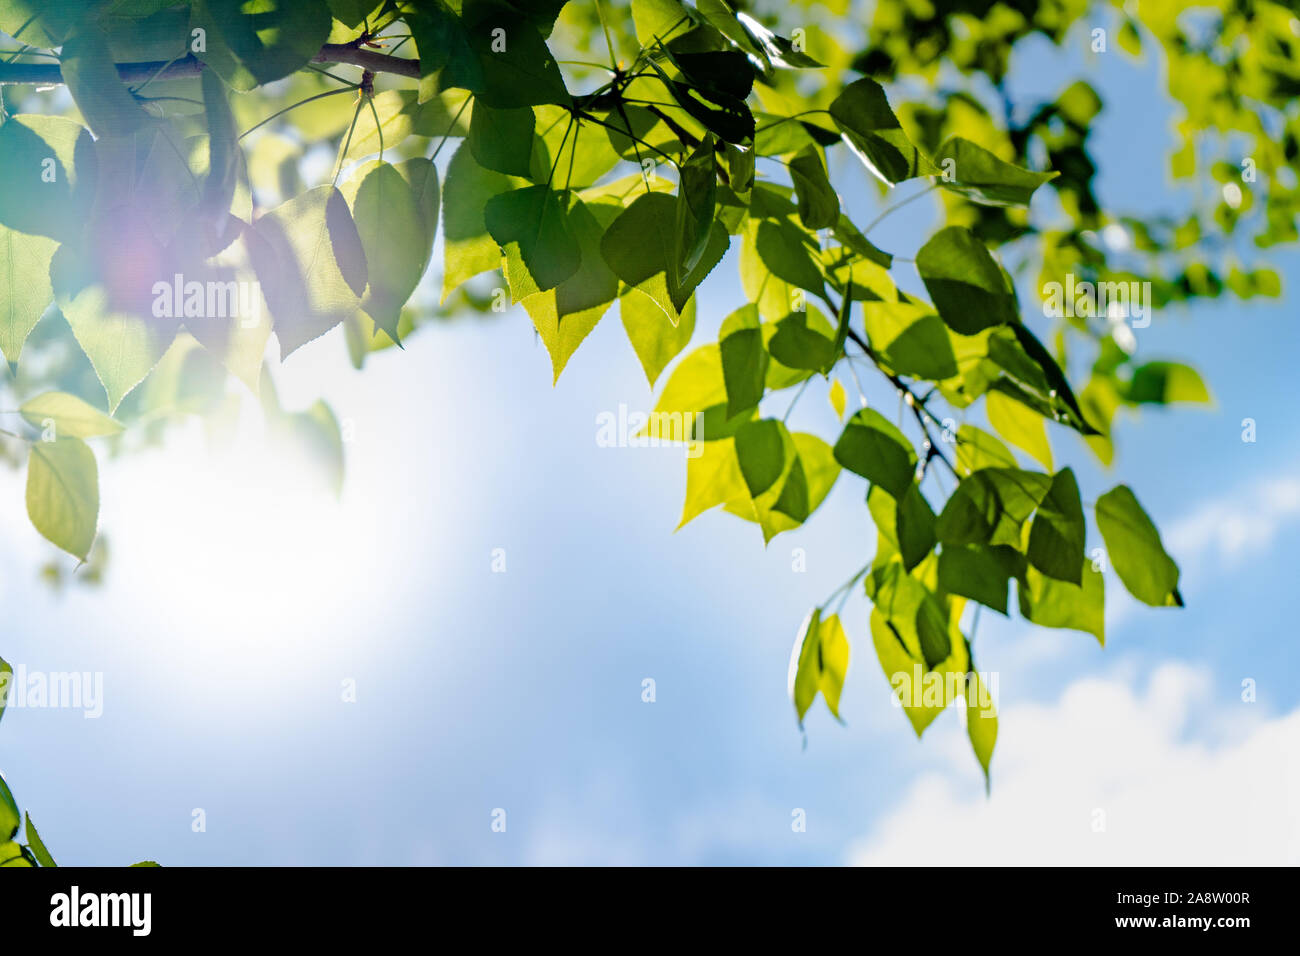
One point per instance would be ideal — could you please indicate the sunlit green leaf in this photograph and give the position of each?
(72, 417)
(873, 132)
(818, 663)
(63, 493)
(983, 177)
(1135, 550)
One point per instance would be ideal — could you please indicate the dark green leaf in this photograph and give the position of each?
(641, 245)
(1058, 533)
(254, 44)
(535, 220)
(502, 139)
(862, 113)
(968, 287)
(744, 360)
(696, 195)
(819, 207)
(915, 527)
(871, 446)
(979, 572)
(796, 345)
(991, 506)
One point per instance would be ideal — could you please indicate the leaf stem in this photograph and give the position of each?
(897, 206)
(309, 99)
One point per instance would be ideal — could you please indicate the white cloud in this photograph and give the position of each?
(1236, 526)
(1106, 752)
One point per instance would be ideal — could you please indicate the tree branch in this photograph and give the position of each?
(50, 74)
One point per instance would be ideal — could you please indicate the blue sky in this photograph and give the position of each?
(236, 607)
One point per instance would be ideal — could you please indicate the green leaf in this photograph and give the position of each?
(915, 527)
(502, 140)
(838, 398)
(712, 478)
(788, 252)
(25, 290)
(718, 111)
(911, 339)
(819, 207)
(968, 287)
(352, 13)
(760, 448)
(983, 178)
(904, 669)
(1020, 426)
(820, 468)
(1048, 602)
(640, 247)
(981, 721)
(11, 854)
(37, 845)
(9, 816)
(440, 39)
(47, 165)
(40, 23)
(871, 446)
(1058, 533)
(932, 632)
(696, 195)
(851, 237)
(566, 314)
(1042, 386)
(818, 663)
(696, 384)
(98, 91)
(532, 224)
(252, 44)
(990, 507)
(655, 340)
(796, 345)
(396, 213)
(873, 132)
(659, 20)
(72, 417)
(744, 360)
(1135, 550)
(511, 65)
(311, 265)
(123, 346)
(980, 572)
(773, 475)
(978, 449)
(315, 436)
(468, 248)
(63, 493)
(1163, 383)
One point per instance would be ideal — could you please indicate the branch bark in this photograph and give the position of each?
(50, 74)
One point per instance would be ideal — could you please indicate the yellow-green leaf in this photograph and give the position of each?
(1025, 429)
(72, 417)
(63, 493)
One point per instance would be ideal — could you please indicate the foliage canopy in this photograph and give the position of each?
(160, 221)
